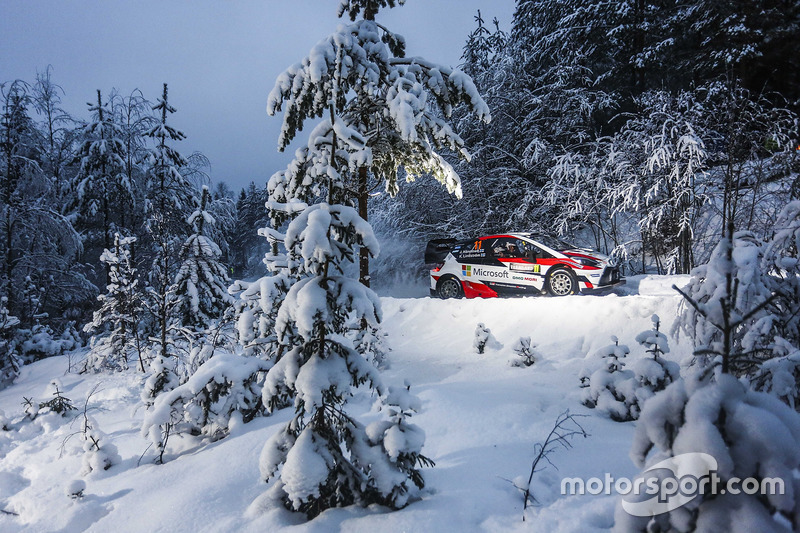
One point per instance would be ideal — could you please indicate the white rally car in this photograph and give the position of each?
(515, 264)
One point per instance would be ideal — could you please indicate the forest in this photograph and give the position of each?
(663, 134)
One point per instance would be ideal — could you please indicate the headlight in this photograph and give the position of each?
(586, 262)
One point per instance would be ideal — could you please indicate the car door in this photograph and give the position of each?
(512, 254)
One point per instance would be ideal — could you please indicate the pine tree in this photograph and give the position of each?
(115, 326)
(778, 327)
(202, 280)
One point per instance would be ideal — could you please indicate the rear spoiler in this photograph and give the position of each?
(437, 250)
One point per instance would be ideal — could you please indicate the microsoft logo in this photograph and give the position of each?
(466, 270)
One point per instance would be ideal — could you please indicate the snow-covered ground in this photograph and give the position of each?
(482, 418)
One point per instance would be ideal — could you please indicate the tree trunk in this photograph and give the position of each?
(363, 253)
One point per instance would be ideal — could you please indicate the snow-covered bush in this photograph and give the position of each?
(607, 386)
(484, 339)
(75, 489)
(40, 341)
(524, 353)
(205, 405)
(4, 421)
(481, 337)
(750, 434)
(622, 393)
(115, 326)
(98, 453)
(10, 362)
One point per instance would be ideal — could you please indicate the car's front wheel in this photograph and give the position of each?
(449, 287)
(562, 282)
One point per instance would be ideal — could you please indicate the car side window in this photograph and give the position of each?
(533, 252)
(504, 247)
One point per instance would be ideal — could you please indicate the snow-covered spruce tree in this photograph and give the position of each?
(780, 323)
(10, 362)
(115, 326)
(161, 303)
(168, 197)
(325, 458)
(363, 87)
(653, 374)
(202, 280)
(378, 112)
(726, 304)
(102, 186)
(750, 434)
(607, 386)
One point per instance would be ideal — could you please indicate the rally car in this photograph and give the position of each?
(515, 264)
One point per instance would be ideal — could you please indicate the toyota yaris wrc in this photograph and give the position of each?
(515, 264)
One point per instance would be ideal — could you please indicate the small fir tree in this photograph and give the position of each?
(168, 198)
(607, 386)
(58, 403)
(346, 462)
(202, 281)
(115, 326)
(98, 453)
(653, 375)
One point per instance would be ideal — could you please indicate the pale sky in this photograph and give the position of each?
(219, 57)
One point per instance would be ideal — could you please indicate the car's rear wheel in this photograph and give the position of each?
(449, 287)
(562, 282)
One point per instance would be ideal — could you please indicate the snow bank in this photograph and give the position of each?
(481, 418)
